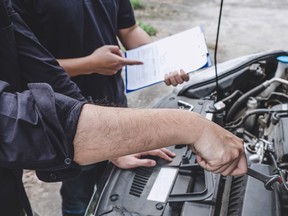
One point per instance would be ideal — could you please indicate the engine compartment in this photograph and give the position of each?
(250, 100)
(256, 110)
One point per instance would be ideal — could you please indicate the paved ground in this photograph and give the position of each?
(248, 26)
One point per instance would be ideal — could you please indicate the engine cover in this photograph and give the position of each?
(168, 189)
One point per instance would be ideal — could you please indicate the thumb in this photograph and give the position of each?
(201, 161)
(116, 50)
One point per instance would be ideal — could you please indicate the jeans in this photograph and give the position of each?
(76, 193)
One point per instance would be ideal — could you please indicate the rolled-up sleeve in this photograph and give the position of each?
(37, 128)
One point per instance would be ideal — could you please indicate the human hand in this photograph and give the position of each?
(108, 60)
(174, 78)
(136, 160)
(219, 151)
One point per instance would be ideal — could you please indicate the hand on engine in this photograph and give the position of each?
(136, 160)
(219, 151)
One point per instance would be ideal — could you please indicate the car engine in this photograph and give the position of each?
(249, 98)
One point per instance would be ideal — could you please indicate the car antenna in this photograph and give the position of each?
(218, 90)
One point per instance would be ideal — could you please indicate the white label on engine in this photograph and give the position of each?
(162, 185)
(209, 116)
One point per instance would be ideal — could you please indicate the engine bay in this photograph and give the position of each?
(250, 100)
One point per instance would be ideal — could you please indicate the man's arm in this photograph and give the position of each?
(133, 37)
(105, 133)
(106, 60)
(39, 129)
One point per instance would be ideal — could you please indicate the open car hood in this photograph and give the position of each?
(251, 101)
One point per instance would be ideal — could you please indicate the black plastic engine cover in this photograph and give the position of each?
(168, 189)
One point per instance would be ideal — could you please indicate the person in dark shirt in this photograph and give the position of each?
(23, 60)
(74, 30)
(55, 133)
(83, 36)
(20, 127)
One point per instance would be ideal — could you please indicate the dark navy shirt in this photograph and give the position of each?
(75, 28)
(22, 61)
(37, 125)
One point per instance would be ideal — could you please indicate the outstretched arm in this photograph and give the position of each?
(105, 133)
(39, 128)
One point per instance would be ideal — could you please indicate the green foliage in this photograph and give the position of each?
(137, 4)
(148, 28)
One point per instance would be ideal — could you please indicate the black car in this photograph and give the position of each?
(248, 97)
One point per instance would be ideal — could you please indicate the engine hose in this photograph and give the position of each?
(4, 17)
(241, 121)
(242, 100)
